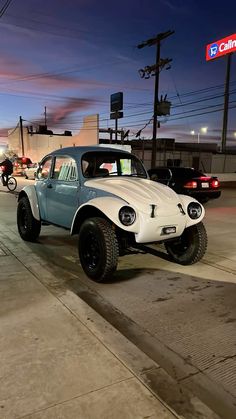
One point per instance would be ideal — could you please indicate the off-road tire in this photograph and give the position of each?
(190, 247)
(28, 227)
(98, 249)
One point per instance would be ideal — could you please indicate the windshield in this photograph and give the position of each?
(105, 163)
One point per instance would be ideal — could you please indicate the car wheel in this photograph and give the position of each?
(190, 247)
(98, 249)
(28, 227)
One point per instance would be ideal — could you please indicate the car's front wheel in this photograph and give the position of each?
(190, 247)
(28, 227)
(98, 249)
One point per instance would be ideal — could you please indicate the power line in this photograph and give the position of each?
(5, 7)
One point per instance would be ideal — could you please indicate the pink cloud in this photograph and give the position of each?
(61, 113)
(15, 74)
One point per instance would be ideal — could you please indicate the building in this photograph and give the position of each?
(204, 156)
(37, 144)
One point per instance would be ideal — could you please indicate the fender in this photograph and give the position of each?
(110, 207)
(31, 194)
(185, 201)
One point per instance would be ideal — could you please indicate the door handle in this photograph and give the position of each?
(49, 186)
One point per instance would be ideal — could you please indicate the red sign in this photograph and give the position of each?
(222, 47)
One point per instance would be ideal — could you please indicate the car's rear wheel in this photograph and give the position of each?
(28, 227)
(190, 247)
(98, 249)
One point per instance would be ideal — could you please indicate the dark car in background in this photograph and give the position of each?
(188, 181)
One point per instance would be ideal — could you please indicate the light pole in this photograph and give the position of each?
(202, 130)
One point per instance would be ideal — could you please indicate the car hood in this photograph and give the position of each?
(141, 193)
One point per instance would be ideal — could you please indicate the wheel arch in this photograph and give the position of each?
(87, 211)
(30, 193)
(105, 207)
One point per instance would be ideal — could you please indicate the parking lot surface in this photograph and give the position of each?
(181, 318)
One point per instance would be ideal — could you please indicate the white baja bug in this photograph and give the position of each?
(106, 197)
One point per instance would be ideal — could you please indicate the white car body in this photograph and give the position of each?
(30, 171)
(106, 197)
(141, 194)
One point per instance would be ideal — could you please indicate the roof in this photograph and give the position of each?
(79, 150)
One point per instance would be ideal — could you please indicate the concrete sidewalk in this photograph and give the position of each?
(58, 357)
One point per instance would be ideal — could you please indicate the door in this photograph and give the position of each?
(62, 192)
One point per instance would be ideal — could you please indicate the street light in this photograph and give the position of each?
(202, 130)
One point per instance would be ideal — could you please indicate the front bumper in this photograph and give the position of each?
(152, 229)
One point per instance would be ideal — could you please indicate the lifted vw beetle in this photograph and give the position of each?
(106, 197)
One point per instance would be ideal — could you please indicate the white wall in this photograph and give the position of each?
(223, 163)
(38, 145)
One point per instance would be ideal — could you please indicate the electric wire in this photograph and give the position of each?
(5, 7)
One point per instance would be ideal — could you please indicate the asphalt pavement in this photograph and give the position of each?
(60, 359)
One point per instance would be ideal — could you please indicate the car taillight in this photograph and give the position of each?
(215, 183)
(191, 184)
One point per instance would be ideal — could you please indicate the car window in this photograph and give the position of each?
(65, 168)
(160, 174)
(44, 169)
(185, 172)
(105, 163)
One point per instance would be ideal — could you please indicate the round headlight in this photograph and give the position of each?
(127, 216)
(194, 210)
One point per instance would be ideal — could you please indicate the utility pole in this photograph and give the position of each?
(45, 116)
(226, 105)
(22, 137)
(156, 92)
(160, 64)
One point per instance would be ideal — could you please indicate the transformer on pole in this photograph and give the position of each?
(155, 69)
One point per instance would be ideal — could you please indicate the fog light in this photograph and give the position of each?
(194, 210)
(127, 216)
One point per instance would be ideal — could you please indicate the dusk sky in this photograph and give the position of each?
(70, 56)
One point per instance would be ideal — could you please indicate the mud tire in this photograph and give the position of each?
(190, 247)
(29, 228)
(98, 249)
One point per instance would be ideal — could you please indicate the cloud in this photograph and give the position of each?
(19, 76)
(63, 112)
(15, 74)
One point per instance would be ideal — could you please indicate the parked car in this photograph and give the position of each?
(20, 164)
(188, 181)
(30, 171)
(105, 196)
